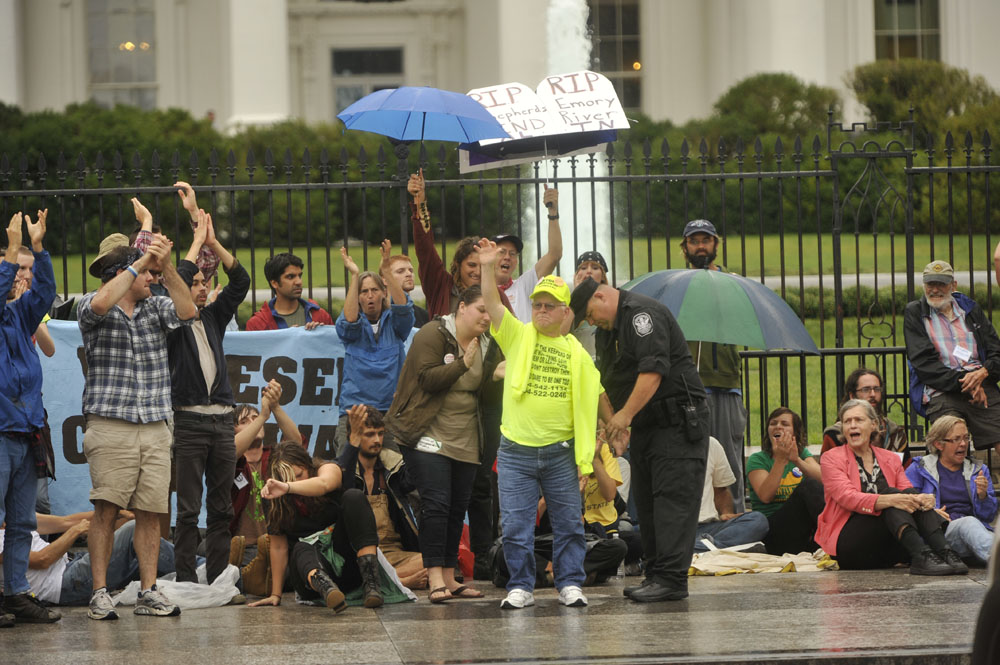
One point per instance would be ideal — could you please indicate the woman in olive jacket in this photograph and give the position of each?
(435, 418)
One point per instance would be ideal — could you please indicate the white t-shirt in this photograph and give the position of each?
(47, 583)
(519, 294)
(717, 474)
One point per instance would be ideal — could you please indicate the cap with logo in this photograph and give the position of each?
(700, 226)
(939, 272)
(555, 286)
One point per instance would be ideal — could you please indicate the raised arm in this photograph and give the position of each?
(548, 262)
(487, 251)
(327, 479)
(244, 438)
(200, 236)
(351, 307)
(179, 292)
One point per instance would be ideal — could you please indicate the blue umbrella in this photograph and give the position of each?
(418, 114)
(715, 306)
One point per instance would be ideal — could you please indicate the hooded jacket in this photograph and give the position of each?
(923, 473)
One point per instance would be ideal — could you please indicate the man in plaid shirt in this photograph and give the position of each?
(127, 403)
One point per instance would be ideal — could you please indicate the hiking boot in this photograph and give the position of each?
(929, 562)
(328, 591)
(257, 574)
(517, 599)
(370, 580)
(572, 596)
(951, 558)
(153, 603)
(101, 607)
(237, 546)
(26, 608)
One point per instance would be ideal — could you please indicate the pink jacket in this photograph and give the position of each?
(842, 490)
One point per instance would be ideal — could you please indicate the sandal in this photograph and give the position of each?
(439, 595)
(466, 592)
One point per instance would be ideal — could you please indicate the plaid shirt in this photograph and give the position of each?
(128, 376)
(946, 335)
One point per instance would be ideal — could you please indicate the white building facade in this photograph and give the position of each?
(259, 61)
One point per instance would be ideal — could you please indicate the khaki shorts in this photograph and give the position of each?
(129, 463)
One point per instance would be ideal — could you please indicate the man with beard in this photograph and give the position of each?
(955, 356)
(203, 409)
(287, 309)
(718, 364)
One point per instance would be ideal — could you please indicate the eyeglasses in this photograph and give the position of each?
(546, 306)
(867, 390)
(958, 439)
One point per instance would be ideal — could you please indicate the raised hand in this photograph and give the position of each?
(349, 263)
(36, 231)
(210, 239)
(416, 187)
(981, 484)
(14, 237)
(386, 250)
(187, 196)
(357, 415)
(551, 199)
(201, 220)
(159, 252)
(487, 251)
(142, 214)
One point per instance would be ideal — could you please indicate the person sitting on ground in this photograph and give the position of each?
(436, 419)
(961, 487)
(867, 384)
(786, 484)
(250, 547)
(873, 518)
(399, 267)
(304, 497)
(441, 287)
(59, 577)
(385, 479)
(287, 309)
(374, 326)
(718, 521)
(955, 356)
(600, 520)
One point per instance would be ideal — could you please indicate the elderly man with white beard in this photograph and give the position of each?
(955, 354)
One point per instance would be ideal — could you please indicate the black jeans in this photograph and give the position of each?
(793, 528)
(445, 486)
(871, 541)
(203, 448)
(354, 530)
(484, 508)
(668, 475)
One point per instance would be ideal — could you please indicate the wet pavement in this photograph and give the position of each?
(823, 618)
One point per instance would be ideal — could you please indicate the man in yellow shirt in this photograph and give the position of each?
(548, 432)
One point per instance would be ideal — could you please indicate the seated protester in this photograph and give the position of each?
(399, 267)
(600, 518)
(961, 487)
(785, 484)
(718, 521)
(873, 518)
(250, 546)
(867, 384)
(59, 577)
(384, 478)
(376, 321)
(304, 497)
(436, 417)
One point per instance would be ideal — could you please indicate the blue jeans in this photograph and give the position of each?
(78, 583)
(521, 471)
(969, 538)
(746, 528)
(18, 487)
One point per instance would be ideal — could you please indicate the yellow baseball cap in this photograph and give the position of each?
(554, 286)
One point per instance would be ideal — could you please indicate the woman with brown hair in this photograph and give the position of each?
(303, 498)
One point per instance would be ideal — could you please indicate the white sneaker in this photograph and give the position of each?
(154, 604)
(572, 596)
(102, 607)
(518, 599)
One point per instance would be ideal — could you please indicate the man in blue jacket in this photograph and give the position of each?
(21, 417)
(955, 356)
(961, 486)
(203, 409)
(373, 329)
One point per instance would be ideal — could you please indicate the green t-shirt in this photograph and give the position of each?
(789, 481)
(544, 414)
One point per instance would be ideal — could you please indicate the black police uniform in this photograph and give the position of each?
(669, 442)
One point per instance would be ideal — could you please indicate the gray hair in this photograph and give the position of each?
(939, 430)
(870, 413)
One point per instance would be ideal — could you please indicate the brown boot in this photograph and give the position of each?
(368, 564)
(257, 573)
(237, 546)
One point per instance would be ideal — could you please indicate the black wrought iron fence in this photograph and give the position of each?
(838, 225)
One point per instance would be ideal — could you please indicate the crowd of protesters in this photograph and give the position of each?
(570, 422)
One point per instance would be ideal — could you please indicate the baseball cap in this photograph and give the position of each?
(554, 286)
(581, 296)
(700, 226)
(511, 238)
(940, 272)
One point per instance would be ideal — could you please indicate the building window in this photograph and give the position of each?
(122, 52)
(359, 72)
(907, 29)
(614, 32)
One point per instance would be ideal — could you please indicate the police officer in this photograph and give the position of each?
(653, 386)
